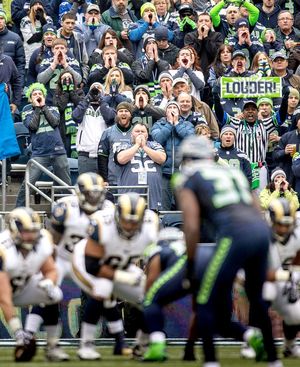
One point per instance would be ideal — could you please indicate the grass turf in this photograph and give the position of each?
(229, 357)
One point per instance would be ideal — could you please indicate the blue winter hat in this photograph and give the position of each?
(241, 22)
(49, 28)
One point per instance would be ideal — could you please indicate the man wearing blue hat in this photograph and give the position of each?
(245, 41)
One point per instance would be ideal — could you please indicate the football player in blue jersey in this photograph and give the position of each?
(221, 196)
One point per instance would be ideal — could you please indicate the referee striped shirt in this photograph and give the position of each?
(252, 139)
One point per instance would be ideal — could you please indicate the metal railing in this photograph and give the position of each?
(109, 188)
(29, 185)
(64, 186)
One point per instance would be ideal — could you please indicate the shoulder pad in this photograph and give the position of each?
(59, 213)
(150, 251)
(93, 230)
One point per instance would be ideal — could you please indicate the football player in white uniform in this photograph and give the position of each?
(28, 274)
(284, 259)
(69, 223)
(104, 264)
(283, 278)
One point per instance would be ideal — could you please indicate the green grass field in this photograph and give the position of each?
(229, 357)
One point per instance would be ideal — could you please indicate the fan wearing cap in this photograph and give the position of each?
(111, 139)
(144, 27)
(92, 29)
(170, 131)
(143, 110)
(165, 80)
(147, 68)
(167, 51)
(181, 85)
(226, 26)
(280, 68)
(41, 53)
(245, 41)
(234, 156)
(239, 68)
(32, 27)
(140, 163)
(278, 187)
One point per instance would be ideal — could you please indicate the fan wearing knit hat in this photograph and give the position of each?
(233, 156)
(165, 80)
(144, 27)
(141, 96)
(278, 187)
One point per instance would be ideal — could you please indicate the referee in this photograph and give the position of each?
(252, 135)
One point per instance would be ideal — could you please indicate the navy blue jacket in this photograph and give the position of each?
(43, 125)
(12, 46)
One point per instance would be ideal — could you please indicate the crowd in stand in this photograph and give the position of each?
(117, 85)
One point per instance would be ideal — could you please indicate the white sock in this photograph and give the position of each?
(33, 323)
(87, 332)
(53, 334)
(211, 364)
(157, 337)
(248, 334)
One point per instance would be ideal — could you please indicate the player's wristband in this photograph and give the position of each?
(15, 324)
(282, 275)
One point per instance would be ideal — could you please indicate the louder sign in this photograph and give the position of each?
(251, 87)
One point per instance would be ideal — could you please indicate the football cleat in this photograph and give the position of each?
(189, 352)
(138, 351)
(87, 352)
(292, 352)
(56, 354)
(275, 364)
(155, 352)
(256, 342)
(247, 352)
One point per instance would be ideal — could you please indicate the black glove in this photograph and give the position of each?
(216, 90)
(114, 88)
(291, 290)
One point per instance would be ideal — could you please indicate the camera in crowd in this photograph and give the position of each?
(114, 87)
(95, 94)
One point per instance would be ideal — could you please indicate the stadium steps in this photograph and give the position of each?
(12, 190)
